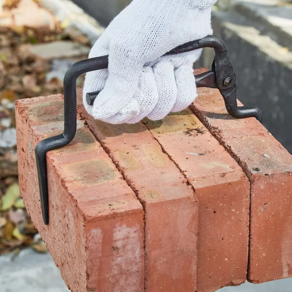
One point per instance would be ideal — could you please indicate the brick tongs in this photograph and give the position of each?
(222, 77)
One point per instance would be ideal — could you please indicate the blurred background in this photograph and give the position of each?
(35, 53)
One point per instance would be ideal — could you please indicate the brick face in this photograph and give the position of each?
(223, 194)
(269, 167)
(171, 211)
(160, 206)
(94, 224)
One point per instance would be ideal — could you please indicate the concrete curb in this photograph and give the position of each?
(272, 16)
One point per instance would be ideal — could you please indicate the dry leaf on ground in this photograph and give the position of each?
(39, 247)
(10, 197)
(11, 3)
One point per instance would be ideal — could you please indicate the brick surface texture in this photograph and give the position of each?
(170, 245)
(223, 194)
(269, 167)
(96, 230)
(194, 202)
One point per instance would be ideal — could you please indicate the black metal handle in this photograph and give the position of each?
(222, 77)
(70, 125)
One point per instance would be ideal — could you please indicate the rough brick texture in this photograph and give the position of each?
(223, 194)
(96, 231)
(160, 206)
(220, 185)
(97, 234)
(269, 167)
(171, 211)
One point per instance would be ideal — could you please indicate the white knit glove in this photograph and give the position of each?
(139, 82)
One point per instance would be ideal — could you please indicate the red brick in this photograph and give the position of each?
(223, 194)
(171, 211)
(268, 166)
(96, 230)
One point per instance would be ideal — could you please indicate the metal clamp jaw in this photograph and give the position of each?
(222, 76)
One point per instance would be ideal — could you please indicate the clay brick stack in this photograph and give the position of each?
(195, 202)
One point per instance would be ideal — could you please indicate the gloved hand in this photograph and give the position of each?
(139, 82)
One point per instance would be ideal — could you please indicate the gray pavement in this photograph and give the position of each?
(279, 286)
(32, 272)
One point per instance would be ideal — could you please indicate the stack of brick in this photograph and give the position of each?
(195, 202)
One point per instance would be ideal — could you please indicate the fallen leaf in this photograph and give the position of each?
(33, 40)
(3, 222)
(11, 60)
(24, 53)
(11, 243)
(10, 197)
(2, 246)
(8, 94)
(10, 180)
(19, 204)
(3, 57)
(11, 3)
(39, 247)
(16, 233)
(4, 41)
(29, 81)
(29, 229)
(18, 29)
(27, 240)
(16, 216)
(8, 230)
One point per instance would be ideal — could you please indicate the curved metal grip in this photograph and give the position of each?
(70, 125)
(222, 77)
